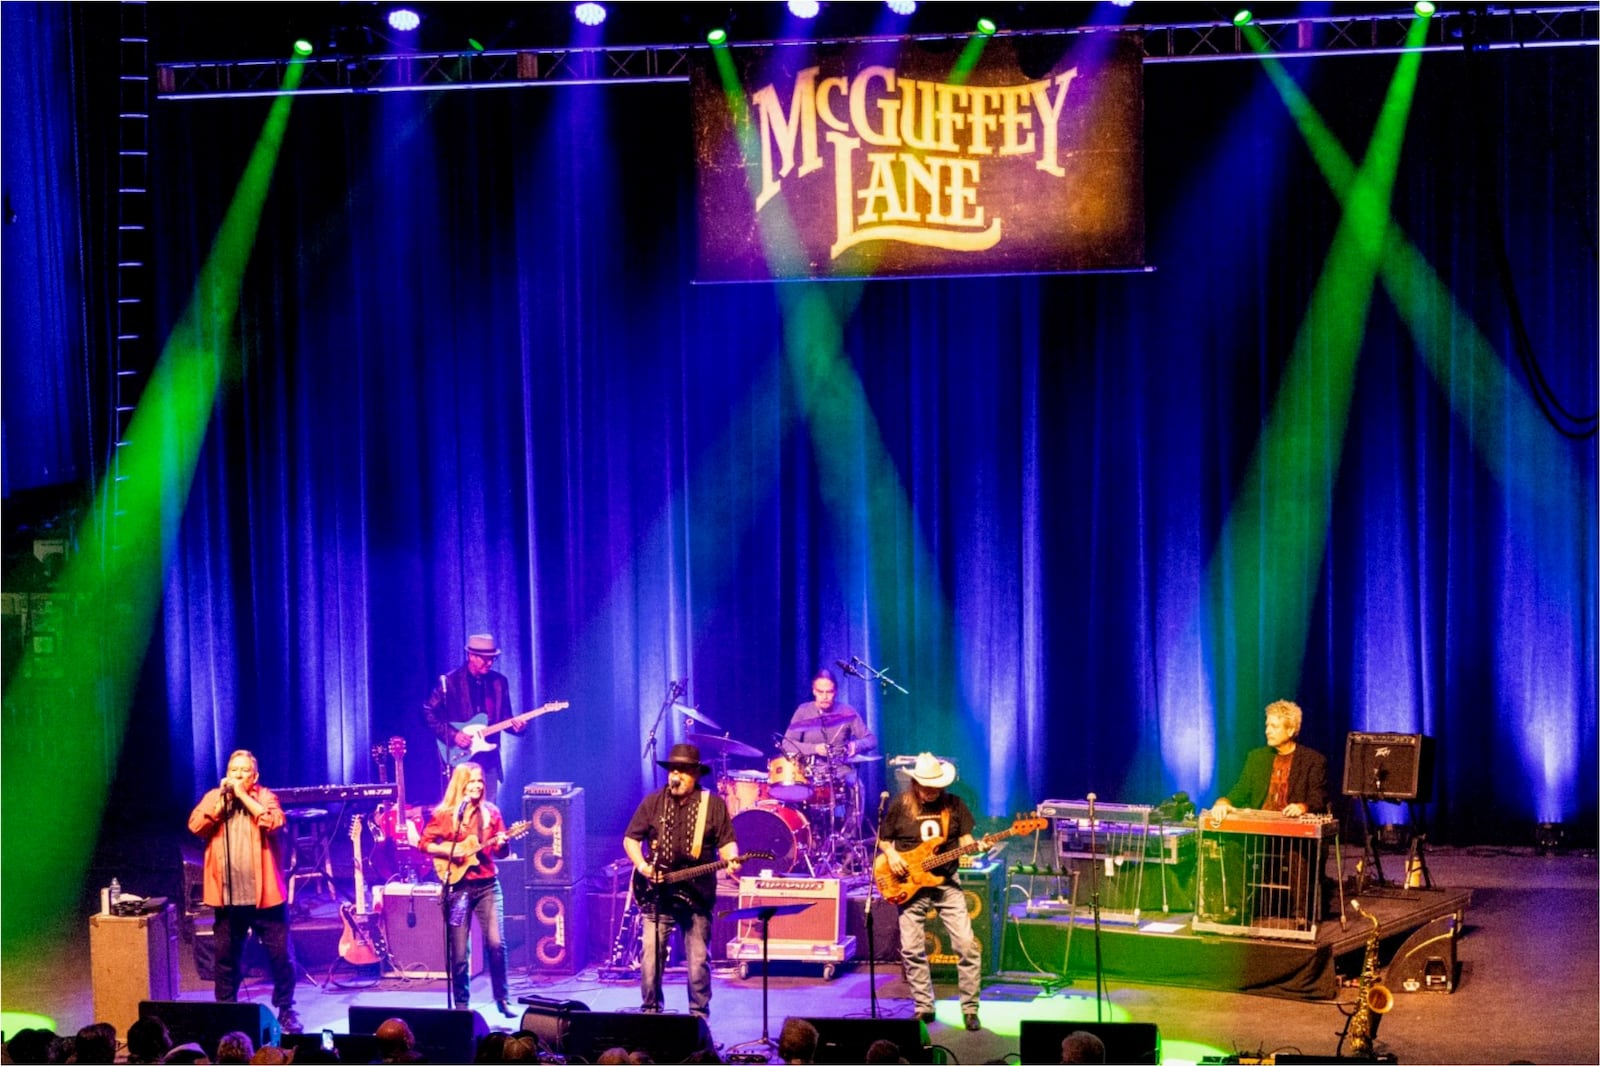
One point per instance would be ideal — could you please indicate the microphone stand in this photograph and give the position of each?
(446, 898)
(1094, 907)
(872, 905)
(649, 752)
(880, 676)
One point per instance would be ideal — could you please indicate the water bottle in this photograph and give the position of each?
(115, 894)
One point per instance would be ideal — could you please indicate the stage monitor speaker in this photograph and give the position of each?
(664, 1037)
(984, 888)
(557, 840)
(550, 1019)
(442, 1035)
(1135, 1042)
(847, 1039)
(1426, 962)
(205, 1023)
(1389, 766)
(413, 930)
(558, 928)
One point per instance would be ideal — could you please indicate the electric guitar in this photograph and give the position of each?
(659, 888)
(356, 943)
(478, 729)
(466, 857)
(898, 889)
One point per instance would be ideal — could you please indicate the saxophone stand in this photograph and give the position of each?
(766, 913)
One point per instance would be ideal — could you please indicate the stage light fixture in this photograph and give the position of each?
(1424, 8)
(1243, 17)
(902, 7)
(303, 47)
(404, 19)
(717, 37)
(804, 9)
(986, 27)
(474, 44)
(590, 14)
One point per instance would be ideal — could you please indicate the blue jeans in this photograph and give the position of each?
(483, 900)
(697, 944)
(951, 906)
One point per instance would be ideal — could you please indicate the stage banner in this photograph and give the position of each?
(910, 158)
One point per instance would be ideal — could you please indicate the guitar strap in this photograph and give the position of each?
(699, 825)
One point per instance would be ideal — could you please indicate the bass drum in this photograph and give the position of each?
(774, 828)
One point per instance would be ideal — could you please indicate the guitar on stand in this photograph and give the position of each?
(359, 942)
(399, 828)
(926, 856)
(478, 731)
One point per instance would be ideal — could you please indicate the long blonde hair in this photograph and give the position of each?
(456, 791)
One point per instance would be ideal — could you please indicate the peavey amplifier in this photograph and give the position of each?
(816, 934)
(824, 921)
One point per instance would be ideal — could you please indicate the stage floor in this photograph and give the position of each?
(1529, 987)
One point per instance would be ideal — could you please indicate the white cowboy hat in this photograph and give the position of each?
(931, 771)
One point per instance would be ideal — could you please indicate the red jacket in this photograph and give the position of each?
(441, 830)
(272, 888)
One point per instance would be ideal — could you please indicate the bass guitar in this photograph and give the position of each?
(898, 889)
(658, 889)
(466, 857)
(357, 943)
(478, 730)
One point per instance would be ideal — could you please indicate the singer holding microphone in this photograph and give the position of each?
(465, 818)
(239, 821)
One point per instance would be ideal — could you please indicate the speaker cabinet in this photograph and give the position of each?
(847, 1039)
(413, 929)
(1389, 766)
(1136, 1042)
(664, 1037)
(556, 843)
(132, 959)
(558, 928)
(1426, 962)
(550, 1019)
(984, 888)
(206, 1023)
(442, 1035)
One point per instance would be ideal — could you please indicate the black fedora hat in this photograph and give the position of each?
(684, 757)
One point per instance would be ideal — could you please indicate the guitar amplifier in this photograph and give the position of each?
(983, 886)
(556, 841)
(413, 930)
(824, 922)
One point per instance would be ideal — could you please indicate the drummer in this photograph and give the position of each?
(823, 727)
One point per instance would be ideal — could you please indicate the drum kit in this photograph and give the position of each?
(803, 808)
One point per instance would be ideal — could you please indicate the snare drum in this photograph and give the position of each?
(743, 789)
(770, 826)
(786, 780)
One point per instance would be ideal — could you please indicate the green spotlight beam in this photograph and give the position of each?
(1261, 583)
(1460, 357)
(113, 585)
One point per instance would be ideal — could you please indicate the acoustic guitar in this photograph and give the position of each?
(466, 855)
(926, 856)
(357, 943)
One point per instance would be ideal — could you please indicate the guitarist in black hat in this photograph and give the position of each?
(686, 828)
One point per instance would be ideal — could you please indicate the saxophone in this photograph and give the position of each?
(1373, 998)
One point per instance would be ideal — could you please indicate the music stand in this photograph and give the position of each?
(765, 912)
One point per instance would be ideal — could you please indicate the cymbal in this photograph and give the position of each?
(694, 715)
(710, 743)
(824, 721)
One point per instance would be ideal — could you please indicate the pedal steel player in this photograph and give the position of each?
(928, 813)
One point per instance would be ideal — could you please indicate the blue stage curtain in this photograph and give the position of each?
(477, 391)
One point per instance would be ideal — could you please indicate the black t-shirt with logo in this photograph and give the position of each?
(907, 825)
